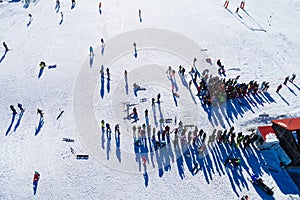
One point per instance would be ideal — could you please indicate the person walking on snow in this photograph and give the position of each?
(13, 110)
(40, 112)
(195, 60)
(100, 4)
(42, 64)
(158, 98)
(279, 88)
(5, 47)
(293, 78)
(286, 80)
(91, 51)
(21, 107)
(140, 15)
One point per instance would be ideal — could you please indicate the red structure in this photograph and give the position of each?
(288, 134)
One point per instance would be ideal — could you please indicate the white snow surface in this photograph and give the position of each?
(261, 43)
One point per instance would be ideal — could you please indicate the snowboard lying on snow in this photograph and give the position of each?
(259, 182)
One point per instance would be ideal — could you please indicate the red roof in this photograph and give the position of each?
(265, 130)
(291, 124)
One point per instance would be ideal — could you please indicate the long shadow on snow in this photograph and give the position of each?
(19, 121)
(39, 127)
(11, 123)
(3, 56)
(118, 151)
(102, 86)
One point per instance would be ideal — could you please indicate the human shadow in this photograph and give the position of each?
(29, 22)
(73, 6)
(179, 162)
(39, 127)
(175, 99)
(40, 72)
(108, 84)
(57, 7)
(295, 85)
(100, 11)
(126, 85)
(154, 116)
(108, 143)
(183, 81)
(146, 177)
(3, 56)
(26, 5)
(291, 90)
(61, 21)
(102, 138)
(135, 53)
(118, 149)
(52, 66)
(91, 60)
(11, 123)
(283, 99)
(102, 50)
(19, 121)
(35, 186)
(102, 86)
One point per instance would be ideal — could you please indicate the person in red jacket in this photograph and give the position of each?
(36, 177)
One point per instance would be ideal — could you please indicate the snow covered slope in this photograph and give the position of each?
(261, 43)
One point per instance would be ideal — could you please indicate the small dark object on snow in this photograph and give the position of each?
(82, 157)
(67, 140)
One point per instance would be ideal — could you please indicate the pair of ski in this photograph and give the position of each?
(259, 182)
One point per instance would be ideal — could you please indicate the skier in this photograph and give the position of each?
(36, 177)
(102, 124)
(134, 46)
(140, 15)
(73, 2)
(91, 51)
(158, 98)
(13, 110)
(108, 131)
(102, 42)
(293, 78)
(279, 88)
(57, 3)
(219, 63)
(62, 16)
(237, 10)
(30, 17)
(42, 64)
(146, 113)
(21, 107)
(286, 80)
(5, 47)
(153, 102)
(107, 72)
(100, 4)
(194, 61)
(40, 112)
(117, 129)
